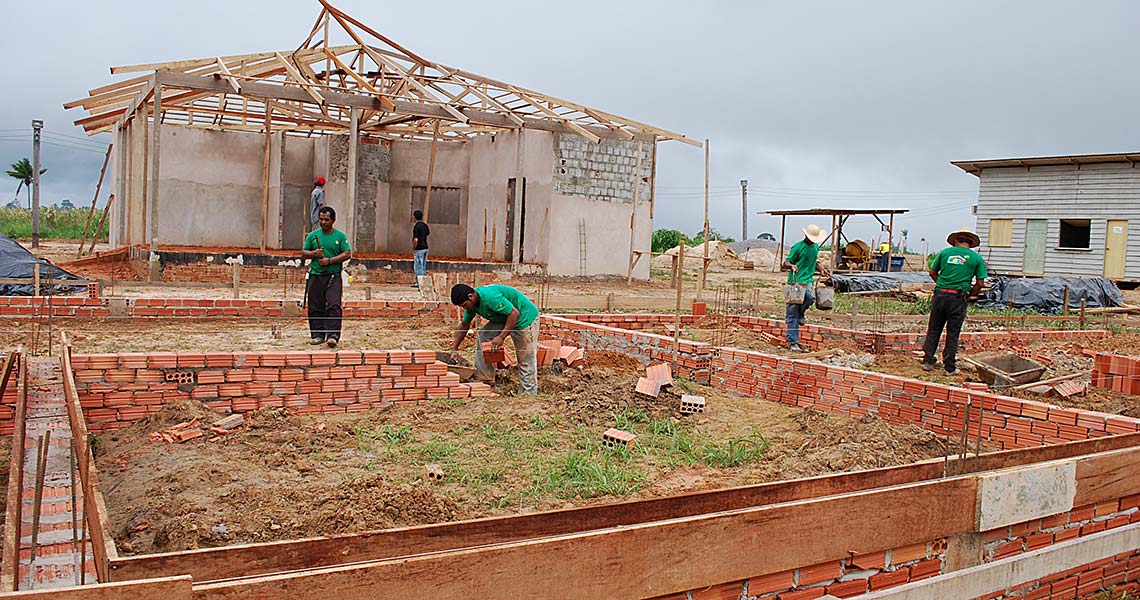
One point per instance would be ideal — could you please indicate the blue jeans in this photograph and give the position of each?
(794, 315)
(526, 352)
(419, 264)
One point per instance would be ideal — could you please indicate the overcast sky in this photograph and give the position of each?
(841, 104)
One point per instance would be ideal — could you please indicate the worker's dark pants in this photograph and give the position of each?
(947, 310)
(323, 295)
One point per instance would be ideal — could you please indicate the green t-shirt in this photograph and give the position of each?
(803, 255)
(332, 244)
(957, 267)
(496, 302)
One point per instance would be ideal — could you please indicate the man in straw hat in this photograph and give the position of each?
(959, 273)
(802, 265)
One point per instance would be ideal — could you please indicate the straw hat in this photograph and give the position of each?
(814, 233)
(966, 233)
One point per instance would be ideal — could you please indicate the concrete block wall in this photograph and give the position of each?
(1117, 373)
(817, 336)
(1007, 422)
(117, 389)
(693, 358)
(602, 171)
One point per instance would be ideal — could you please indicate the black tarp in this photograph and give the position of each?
(1046, 294)
(16, 262)
(873, 281)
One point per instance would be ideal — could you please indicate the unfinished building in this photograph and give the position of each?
(222, 152)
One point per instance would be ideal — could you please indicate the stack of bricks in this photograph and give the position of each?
(1117, 373)
(1006, 422)
(118, 389)
(692, 358)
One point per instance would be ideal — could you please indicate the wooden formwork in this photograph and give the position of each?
(9, 559)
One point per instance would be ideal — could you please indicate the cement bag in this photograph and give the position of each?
(794, 293)
(824, 297)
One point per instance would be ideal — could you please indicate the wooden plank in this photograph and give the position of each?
(94, 201)
(166, 588)
(249, 559)
(649, 559)
(12, 519)
(1107, 476)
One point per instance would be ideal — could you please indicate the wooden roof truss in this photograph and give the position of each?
(314, 88)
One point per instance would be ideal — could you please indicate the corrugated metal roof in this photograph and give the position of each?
(974, 167)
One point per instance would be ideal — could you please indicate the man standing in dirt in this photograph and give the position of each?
(420, 234)
(316, 202)
(327, 249)
(958, 273)
(802, 264)
(508, 312)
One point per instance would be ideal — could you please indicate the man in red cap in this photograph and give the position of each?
(316, 202)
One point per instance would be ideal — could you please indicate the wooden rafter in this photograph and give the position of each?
(312, 89)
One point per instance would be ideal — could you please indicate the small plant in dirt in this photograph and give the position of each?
(390, 437)
(591, 473)
(628, 419)
(735, 451)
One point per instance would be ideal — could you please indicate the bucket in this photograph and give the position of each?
(824, 297)
(794, 293)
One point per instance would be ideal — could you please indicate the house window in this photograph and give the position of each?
(1001, 233)
(1075, 233)
(444, 209)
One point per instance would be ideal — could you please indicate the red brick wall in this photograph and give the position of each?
(118, 389)
(692, 357)
(816, 336)
(145, 308)
(1007, 422)
(635, 322)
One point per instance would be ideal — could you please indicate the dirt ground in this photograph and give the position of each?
(290, 476)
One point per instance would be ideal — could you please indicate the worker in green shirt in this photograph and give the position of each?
(958, 273)
(327, 250)
(802, 264)
(508, 313)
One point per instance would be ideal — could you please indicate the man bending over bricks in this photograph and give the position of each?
(327, 249)
(958, 273)
(508, 312)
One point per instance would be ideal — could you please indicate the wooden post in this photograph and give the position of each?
(780, 251)
(36, 279)
(350, 194)
(890, 240)
(633, 215)
(494, 232)
(236, 268)
(484, 255)
(705, 264)
(1065, 303)
(516, 224)
(1084, 301)
(265, 180)
(99, 227)
(677, 308)
(94, 200)
(153, 155)
(431, 169)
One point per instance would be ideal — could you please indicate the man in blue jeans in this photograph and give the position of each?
(802, 264)
(420, 234)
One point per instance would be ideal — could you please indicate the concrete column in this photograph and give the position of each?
(350, 191)
(153, 154)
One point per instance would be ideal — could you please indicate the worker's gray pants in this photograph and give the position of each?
(526, 350)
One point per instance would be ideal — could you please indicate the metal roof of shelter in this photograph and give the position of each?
(974, 167)
(836, 211)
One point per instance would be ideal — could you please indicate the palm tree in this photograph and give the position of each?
(22, 170)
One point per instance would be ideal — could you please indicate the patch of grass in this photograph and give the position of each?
(449, 402)
(54, 223)
(1112, 594)
(389, 437)
(592, 473)
(629, 419)
(734, 452)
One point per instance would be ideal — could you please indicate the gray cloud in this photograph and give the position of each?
(816, 103)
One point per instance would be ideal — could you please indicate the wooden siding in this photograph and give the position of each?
(1095, 192)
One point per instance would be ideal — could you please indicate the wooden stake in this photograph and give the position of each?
(431, 169)
(633, 215)
(494, 233)
(236, 268)
(1065, 303)
(1084, 302)
(265, 180)
(102, 220)
(94, 200)
(677, 308)
(484, 255)
(705, 264)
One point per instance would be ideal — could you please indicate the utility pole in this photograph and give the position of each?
(743, 210)
(37, 125)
